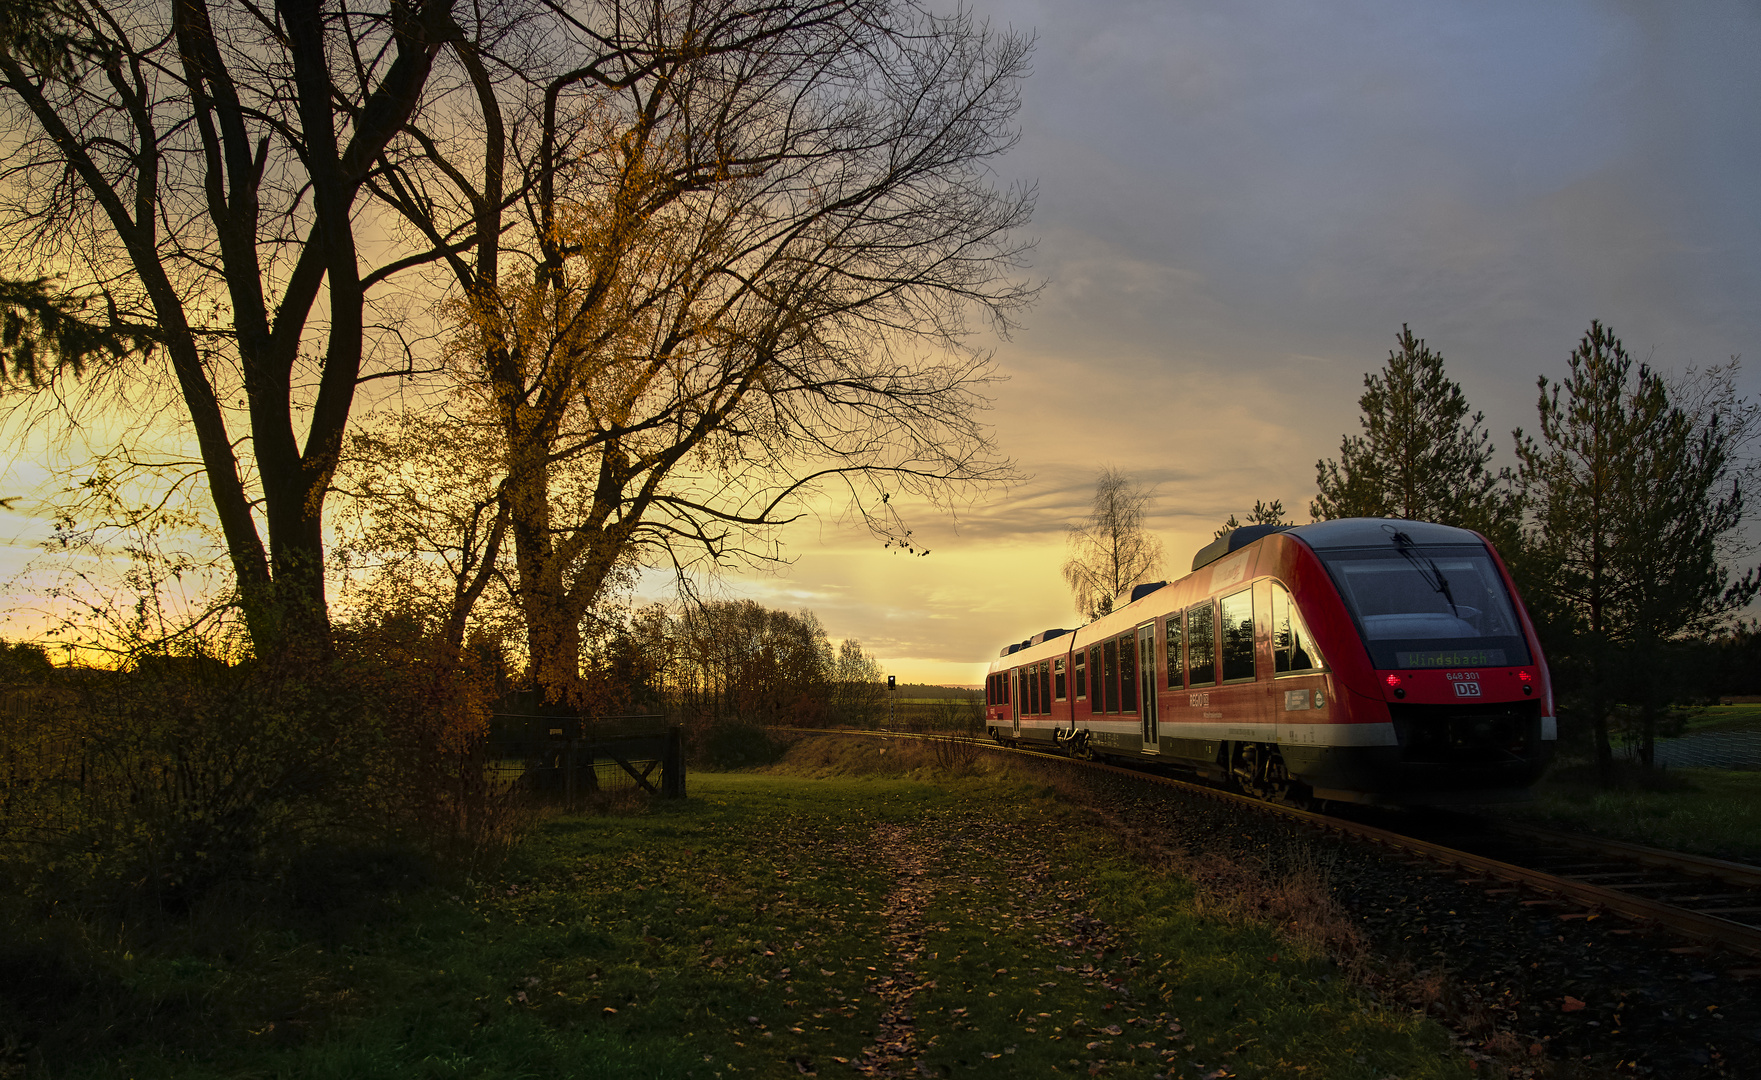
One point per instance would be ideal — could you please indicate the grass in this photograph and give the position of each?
(1705, 811)
(1724, 718)
(742, 932)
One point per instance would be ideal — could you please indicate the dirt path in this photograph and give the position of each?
(894, 1052)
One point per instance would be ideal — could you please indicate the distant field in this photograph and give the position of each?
(1726, 718)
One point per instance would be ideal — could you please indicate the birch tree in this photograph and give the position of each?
(1110, 551)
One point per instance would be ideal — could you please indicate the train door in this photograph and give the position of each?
(1015, 699)
(1146, 687)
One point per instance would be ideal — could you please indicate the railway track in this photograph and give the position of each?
(1707, 901)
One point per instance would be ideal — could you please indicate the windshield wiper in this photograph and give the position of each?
(1429, 570)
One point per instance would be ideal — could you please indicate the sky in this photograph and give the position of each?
(1239, 205)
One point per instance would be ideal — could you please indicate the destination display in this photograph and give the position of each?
(1463, 658)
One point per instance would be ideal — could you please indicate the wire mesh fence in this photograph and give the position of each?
(1711, 750)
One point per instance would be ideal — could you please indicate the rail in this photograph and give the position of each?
(1697, 925)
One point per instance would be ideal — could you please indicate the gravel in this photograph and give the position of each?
(1530, 988)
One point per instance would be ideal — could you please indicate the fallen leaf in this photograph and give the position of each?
(1572, 1004)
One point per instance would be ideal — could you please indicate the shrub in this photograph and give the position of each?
(734, 744)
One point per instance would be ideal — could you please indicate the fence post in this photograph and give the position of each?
(672, 764)
(569, 773)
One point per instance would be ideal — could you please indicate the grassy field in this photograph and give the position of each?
(1706, 811)
(1725, 718)
(858, 906)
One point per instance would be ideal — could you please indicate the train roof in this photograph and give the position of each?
(1320, 535)
(1374, 532)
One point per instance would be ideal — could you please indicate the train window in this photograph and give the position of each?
(1176, 658)
(1201, 645)
(1081, 676)
(1045, 687)
(1429, 606)
(1128, 673)
(1033, 701)
(1110, 675)
(1237, 635)
(1292, 649)
(1096, 698)
(1058, 681)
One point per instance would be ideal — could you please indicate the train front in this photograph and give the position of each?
(1449, 659)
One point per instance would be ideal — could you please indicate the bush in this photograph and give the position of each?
(144, 789)
(734, 744)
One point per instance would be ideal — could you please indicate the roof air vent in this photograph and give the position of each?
(1233, 540)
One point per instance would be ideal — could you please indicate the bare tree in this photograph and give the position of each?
(858, 694)
(199, 163)
(421, 525)
(1709, 397)
(739, 249)
(1111, 551)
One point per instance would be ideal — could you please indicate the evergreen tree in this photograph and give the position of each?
(1263, 513)
(1420, 457)
(1630, 496)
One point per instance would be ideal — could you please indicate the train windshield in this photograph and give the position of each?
(1429, 606)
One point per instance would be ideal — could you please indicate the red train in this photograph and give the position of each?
(1358, 660)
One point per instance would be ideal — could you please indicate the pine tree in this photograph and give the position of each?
(1420, 457)
(1263, 513)
(1630, 496)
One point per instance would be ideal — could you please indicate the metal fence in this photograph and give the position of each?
(1712, 750)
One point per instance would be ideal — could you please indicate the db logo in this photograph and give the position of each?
(1467, 689)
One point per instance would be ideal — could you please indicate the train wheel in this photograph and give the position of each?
(1244, 769)
(1281, 787)
(1258, 770)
